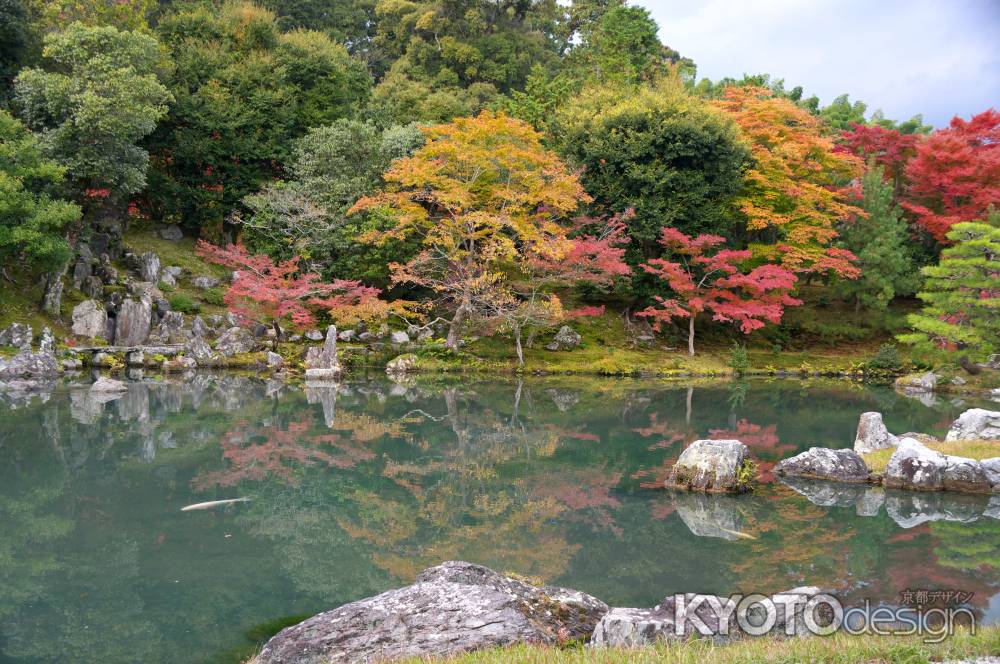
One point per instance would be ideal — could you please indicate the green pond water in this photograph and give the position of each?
(354, 489)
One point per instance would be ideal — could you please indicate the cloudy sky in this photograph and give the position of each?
(939, 58)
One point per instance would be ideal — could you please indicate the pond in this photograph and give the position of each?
(353, 489)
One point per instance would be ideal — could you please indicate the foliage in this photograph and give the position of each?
(184, 304)
(886, 359)
(659, 151)
(889, 148)
(879, 240)
(32, 221)
(265, 290)
(54, 15)
(244, 92)
(841, 114)
(702, 282)
(955, 174)
(481, 194)
(97, 98)
(16, 37)
(791, 201)
(962, 294)
(739, 358)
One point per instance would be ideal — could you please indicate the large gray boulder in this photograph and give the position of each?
(29, 364)
(401, 364)
(991, 468)
(90, 319)
(872, 434)
(713, 466)
(235, 341)
(170, 330)
(914, 466)
(172, 232)
(917, 383)
(18, 335)
(820, 463)
(321, 361)
(566, 339)
(198, 350)
(105, 384)
(133, 322)
(149, 267)
(965, 476)
(452, 608)
(680, 617)
(975, 424)
(399, 337)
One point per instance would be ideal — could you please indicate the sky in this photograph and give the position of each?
(906, 57)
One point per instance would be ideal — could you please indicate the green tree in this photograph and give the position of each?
(98, 96)
(54, 15)
(331, 167)
(16, 38)
(244, 92)
(962, 294)
(840, 113)
(667, 154)
(32, 221)
(880, 242)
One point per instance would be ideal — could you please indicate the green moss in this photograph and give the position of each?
(978, 450)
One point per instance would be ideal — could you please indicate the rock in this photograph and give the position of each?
(820, 463)
(913, 466)
(204, 282)
(991, 468)
(168, 279)
(366, 337)
(958, 380)
(199, 327)
(295, 338)
(102, 359)
(172, 271)
(146, 290)
(92, 287)
(975, 424)
(133, 322)
(235, 341)
(452, 608)
(106, 271)
(215, 321)
(71, 364)
(170, 329)
(345, 335)
(104, 384)
(713, 466)
(399, 337)
(697, 615)
(29, 364)
(172, 232)
(275, 361)
(18, 335)
(231, 320)
(90, 320)
(135, 358)
(198, 350)
(965, 476)
(917, 383)
(872, 434)
(180, 363)
(993, 362)
(82, 269)
(321, 361)
(566, 339)
(314, 335)
(401, 364)
(149, 267)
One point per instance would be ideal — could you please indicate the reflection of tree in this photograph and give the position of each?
(967, 545)
(257, 453)
(586, 493)
(763, 442)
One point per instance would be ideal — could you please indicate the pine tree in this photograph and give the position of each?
(880, 243)
(962, 294)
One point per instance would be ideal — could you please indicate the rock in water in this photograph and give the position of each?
(965, 476)
(321, 361)
(104, 384)
(820, 463)
(872, 434)
(975, 424)
(275, 361)
(713, 466)
(133, 322)
(28, 364)
(913, 466)
(235, 341)
(917, 383)
(90, 319)
(452, 608)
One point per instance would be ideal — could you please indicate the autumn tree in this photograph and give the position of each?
(961, 294)
(793, 196)
(955, 174)
(889, 148)
(265, 290)
(705, 277)
(880, 240)
(482, 196)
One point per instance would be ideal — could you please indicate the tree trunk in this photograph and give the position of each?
(455, 330)
(691, 335)
(517, 345)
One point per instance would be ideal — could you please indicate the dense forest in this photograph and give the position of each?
(505, 166)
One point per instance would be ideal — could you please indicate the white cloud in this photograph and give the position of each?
(918, 56)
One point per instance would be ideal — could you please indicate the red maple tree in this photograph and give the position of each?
(263, 289)
(889, 148)
(955, 174)
(715, 282)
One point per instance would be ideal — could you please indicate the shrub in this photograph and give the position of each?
(885, 359)
(214, 296)
(165, 287)
(184, 304)
(739, 359)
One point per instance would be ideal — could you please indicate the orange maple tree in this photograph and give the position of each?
(794, 192)
(484, 198)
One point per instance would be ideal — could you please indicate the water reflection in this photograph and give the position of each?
(356, 487)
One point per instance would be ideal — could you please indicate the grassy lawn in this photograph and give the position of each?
(971, 449)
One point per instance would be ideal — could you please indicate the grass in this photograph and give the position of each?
(840, 648)
(971, 449)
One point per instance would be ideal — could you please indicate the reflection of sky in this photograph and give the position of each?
(992, 613)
